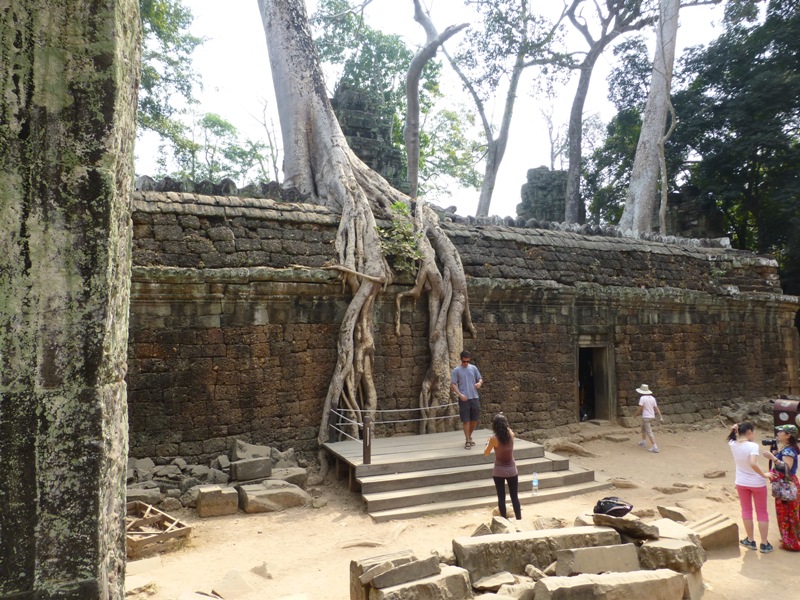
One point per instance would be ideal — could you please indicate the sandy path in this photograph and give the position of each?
(307, 551)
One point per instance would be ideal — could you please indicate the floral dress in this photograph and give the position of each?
(789, 512)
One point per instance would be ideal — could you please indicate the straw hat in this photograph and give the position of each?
(644, 389)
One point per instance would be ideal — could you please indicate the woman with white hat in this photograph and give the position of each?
(648, 408)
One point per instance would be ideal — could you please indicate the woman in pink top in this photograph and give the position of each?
(505, 469)
(751, 484)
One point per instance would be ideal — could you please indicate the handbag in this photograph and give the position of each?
(784, 489)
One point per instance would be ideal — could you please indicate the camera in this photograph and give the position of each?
(772, 443)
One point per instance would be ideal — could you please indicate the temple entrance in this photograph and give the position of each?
(596, 399)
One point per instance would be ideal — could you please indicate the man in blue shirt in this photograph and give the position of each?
(466, 381)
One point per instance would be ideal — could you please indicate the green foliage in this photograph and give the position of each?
(167, 72)
(376, 63)
(399, 241)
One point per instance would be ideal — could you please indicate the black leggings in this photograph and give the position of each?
(513, 485)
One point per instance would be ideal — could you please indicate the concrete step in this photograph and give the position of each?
(447, 456)
(445, 492)
(526, 497)
(470, 472)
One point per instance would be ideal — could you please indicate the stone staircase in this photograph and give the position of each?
(420, 475)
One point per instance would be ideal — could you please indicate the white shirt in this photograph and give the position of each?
(742, 451)
(648, 404)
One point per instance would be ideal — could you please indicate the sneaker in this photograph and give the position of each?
(643, 443)
(749, 544)
(654, 449)
(764, 548)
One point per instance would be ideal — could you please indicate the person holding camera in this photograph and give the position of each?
(505, 469)
(648, 407)
(751, 485)
(784, 462)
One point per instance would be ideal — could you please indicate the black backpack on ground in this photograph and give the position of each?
(612, 506)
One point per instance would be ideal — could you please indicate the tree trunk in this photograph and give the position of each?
(69, 74)
(642, 198)
(573, 207)
(319, 162)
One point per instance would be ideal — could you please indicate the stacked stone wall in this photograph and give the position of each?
(234, 321)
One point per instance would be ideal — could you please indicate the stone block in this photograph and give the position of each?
(600, 559)
(214, 501)
(629, 525)
(489, 554)
(667, 528)
(410, 571)
(493, 583)
(682, 556)
(148, 496)
(243, 451)
(452, 583)
(502, 525)
(270, 496)
(695, 588)
(676, 513)
(251, 468)
(716, 531)
(294, 475)
(360, 591)
(662, 584)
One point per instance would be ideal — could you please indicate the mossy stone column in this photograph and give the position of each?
(69, 72)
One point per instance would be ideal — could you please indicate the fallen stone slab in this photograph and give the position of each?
(148, 496)
(243, 450)
(410, 571)
(489, 554)
(682, 556)
(653, 585)
(294, 475)
(214, 501)
(282, 460)
(271, 496)
(669, 489)
(676, 513)
(716, 531)
(695, 588)
(360, 591)
(452, 583)
(502, 525)
(629, 525)
(251, 468)
(521, 591)
(619, 558)
(667, 528)
(492, 583)
(482, 529)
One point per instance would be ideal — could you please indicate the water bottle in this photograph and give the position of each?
(535, 484)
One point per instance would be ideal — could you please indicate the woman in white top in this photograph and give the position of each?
(751, 484)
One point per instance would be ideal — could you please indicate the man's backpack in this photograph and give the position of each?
(612, 506)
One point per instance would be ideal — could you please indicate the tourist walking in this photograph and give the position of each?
(505, 469)
(465, 382)
(751, 485)
(648, 408)
(785, 466)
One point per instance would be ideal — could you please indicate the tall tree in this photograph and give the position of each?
(510, 39)
(614, 18)
(641, 200)
(69, 71)
(319, 163)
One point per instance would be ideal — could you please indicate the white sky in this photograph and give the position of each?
(234, 67)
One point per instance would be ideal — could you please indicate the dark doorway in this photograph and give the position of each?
(594, 384)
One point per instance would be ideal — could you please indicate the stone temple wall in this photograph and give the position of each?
(234, 322)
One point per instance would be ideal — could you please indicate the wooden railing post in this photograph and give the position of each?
(367, 441)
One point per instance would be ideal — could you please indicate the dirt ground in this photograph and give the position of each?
(304, 553)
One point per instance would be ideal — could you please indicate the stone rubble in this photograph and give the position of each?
(253, 478)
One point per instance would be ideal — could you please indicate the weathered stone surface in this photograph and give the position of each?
(271, 496)
(630, 525)
(623, 483)
(492, 583)
(694, 585)
(550, 523)
(584, 520)
(251, 468)
(676, 513)
(214, 501)
(482, 529)
(716, 531)
(715, 474)
(489, 554)
(243, 450)
(294, 475)
(148, 496)
(452, 583)
(600, 559)
(283, 460)
(534, 572)
(359, 590)
(410, 571)
(653, 585)
(683, 556)
(669, 529)
(669, 489)
(502, 525)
